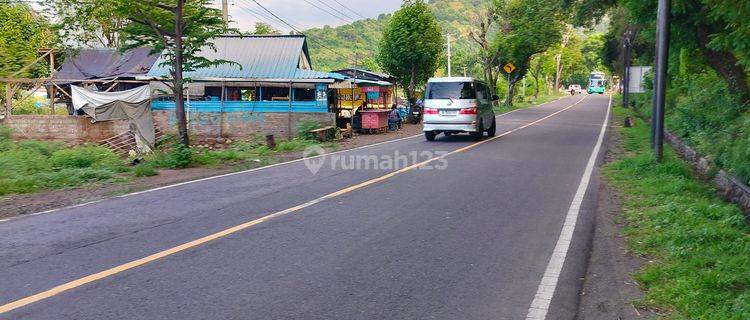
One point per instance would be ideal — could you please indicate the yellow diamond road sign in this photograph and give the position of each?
(509, 67)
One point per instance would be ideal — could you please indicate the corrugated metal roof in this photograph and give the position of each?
(261, 57)
(87, 64)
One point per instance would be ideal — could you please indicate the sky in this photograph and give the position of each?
(305, 14)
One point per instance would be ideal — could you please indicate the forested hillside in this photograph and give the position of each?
(334, 48)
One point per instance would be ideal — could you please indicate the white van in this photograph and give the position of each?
(458, 104)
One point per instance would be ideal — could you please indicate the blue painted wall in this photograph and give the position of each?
(245, 106)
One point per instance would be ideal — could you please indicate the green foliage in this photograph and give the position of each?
(92, 23)
(411, 45)
(153, 26)
(178, 156)
(262, 28)
(304, 128)
(698, 243)
(84, 157)
(145, 170)
(530, 27)
(29, 166)
(22, 33)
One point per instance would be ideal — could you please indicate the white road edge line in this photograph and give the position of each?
(546, 290)
(235, 173)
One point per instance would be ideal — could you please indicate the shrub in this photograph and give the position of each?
(85, 157)
(179, 156)
(144, 170)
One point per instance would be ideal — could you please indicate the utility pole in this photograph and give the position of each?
(449, 54)
(225, 10)
(464, 71)
(660, 79)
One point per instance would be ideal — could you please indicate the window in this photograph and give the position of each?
(304, 94)
(274, 94)
(451, 90)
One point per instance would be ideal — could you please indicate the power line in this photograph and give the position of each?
(291, 26)
(337, 10)
(326, 11)
(350, 9)
(259, 15)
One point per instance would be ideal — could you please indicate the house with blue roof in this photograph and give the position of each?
(269, 73)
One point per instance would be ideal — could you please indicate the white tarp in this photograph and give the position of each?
(82, 96)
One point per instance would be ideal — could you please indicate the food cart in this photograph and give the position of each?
(374, 120)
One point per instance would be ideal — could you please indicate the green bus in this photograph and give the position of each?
(597, 83)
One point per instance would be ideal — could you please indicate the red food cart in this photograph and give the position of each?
(374, 121)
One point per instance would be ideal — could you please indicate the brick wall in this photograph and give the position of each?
(212, 125)
(71, 129)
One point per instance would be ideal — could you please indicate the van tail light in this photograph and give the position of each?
(468, 111)
(430, 111)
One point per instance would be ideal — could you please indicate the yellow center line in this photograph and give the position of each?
(200, 241)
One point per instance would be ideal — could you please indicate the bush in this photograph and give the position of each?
(85, 157)
(179, 156)
(144, 170)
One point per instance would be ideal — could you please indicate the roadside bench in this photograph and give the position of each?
(324, 133)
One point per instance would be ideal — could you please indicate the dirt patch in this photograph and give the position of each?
(19, 204)
(609, 290)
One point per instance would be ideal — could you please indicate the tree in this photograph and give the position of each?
(717, 29)
(411, 46)
(540, 65)
(92, 23)
(528, 27)
(262, 28)
(559, 55)
(488, 53)
(22, 33)
(179, 30)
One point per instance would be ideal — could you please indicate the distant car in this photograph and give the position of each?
(458, 104)
(575, 89)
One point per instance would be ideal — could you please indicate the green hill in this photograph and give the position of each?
(334, 48)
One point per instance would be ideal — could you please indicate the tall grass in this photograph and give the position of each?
(699, 244)
(29, 166)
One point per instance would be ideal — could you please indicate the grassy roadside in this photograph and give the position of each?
(699, 245)
(31, 166)
(543, 98)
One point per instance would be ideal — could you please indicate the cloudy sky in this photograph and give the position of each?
(305, 14)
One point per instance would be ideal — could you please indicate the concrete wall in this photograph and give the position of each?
(204, 126)
(207, 126)
(729, 187)
(71, 129)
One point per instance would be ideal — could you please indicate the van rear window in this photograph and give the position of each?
(451, 90)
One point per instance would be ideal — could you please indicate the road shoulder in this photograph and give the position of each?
(609, 290)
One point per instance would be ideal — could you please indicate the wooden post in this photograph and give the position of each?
(8, 98)
(53, 90)
(289, 114)
(221, 114)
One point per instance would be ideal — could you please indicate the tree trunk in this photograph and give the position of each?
(491, 84)
(725, 63)
(536, 86)
(412, 84)
(558, 70)
(179, 97)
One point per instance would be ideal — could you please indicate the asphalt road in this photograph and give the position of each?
(470, 238)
